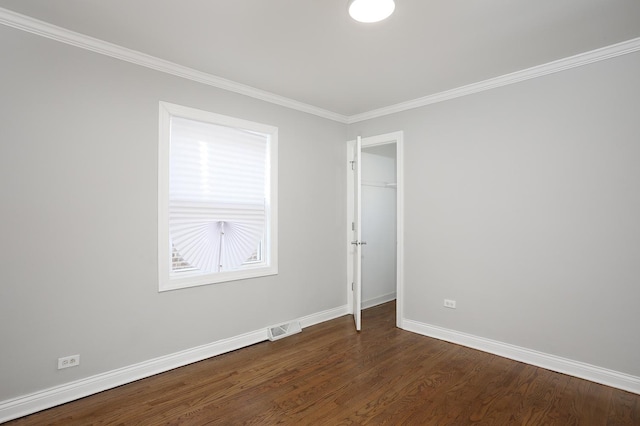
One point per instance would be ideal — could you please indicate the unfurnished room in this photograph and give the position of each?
(320, 212)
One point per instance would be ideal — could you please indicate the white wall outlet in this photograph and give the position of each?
(68, 361)
(448, 303)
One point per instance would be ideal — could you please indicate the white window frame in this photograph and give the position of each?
(269, 265)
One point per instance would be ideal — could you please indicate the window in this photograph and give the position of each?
(217, 198)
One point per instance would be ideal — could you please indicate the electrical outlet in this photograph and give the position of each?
(449, 303)
(68, 361)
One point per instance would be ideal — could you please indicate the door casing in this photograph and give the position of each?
(388, 138)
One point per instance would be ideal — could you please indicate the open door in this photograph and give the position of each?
(357, 234)
(353, 234)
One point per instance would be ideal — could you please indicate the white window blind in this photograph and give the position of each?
(218, 191)
(217, 198)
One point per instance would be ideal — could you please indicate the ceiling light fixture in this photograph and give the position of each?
(371, 10)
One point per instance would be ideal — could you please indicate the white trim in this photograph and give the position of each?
(41, 400)
(378, 300)
(51, 397)
(398, 139)
(270, 266)
(63, 35)
(550, 362)
(579, 60)
(400, 229)
(323, 316)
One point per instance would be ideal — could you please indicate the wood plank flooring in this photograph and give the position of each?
(331, 375)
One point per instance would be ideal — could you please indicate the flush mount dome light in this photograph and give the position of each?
(371, 10)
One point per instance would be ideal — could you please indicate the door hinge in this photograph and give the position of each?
(351, 285)
(353, 226)
(352, 164)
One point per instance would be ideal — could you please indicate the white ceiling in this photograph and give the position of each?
(312, 52)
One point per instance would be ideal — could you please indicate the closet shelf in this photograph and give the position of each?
(379, 184)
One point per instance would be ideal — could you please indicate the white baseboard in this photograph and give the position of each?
(550, 362)
(41, 400)
(378, 300)
(327, 315)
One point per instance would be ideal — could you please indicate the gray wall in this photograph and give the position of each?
(78, 178)
(523, 205)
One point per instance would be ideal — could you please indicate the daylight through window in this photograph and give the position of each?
(217, 198)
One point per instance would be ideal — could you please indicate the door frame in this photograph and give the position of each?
(384, 139)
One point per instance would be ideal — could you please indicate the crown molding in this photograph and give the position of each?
(44, 29)
(63, 35)
(579, 60)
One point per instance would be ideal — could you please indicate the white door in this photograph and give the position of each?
(354, 220)
(357, 234)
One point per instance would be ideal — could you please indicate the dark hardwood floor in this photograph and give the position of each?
(331, 375)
